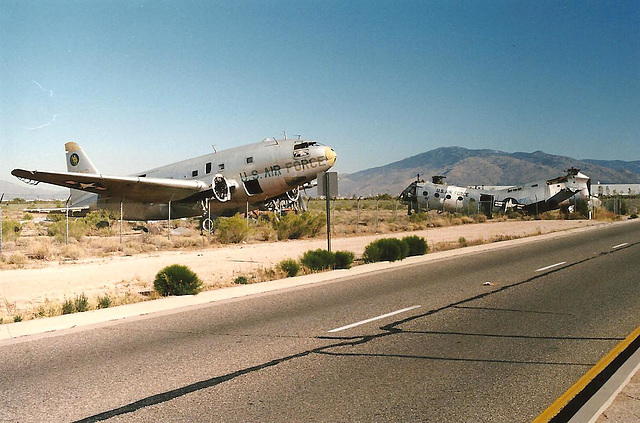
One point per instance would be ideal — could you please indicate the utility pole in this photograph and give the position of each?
(327, 196)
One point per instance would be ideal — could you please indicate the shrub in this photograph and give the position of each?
(10, 229)
(68, 307)
(385, 249)
(104, 302)
(177, 280)
(17, 318)
(58, 229)
(241, 280)
(295, 226)
(290, 226)
(81, 303)
(480, 218)
(290, 267)
(417, 245)
(344, 259)
(318, 259)
(232, 230)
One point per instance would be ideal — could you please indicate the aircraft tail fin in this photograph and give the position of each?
(78, 161)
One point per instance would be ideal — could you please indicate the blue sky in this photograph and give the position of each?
(141, 84)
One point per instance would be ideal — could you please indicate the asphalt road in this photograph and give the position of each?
(456, 350)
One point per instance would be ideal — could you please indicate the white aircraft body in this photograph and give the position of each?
(220, 183)
(533, 198)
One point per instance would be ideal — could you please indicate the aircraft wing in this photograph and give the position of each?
(132, 188)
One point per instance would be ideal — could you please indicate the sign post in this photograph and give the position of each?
(328, 186)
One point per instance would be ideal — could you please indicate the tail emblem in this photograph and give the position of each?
(74, 159)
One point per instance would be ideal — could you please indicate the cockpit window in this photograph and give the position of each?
(304, 144)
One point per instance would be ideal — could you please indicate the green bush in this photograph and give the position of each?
(68, 307)
(232, 229)
(318, 259)
(417, 245)
(81, 303)
(241, 280)
(385, 249)
(290, 267)
(104, 302)
(177, 280)
(10, 229)
(58, 229)
(344, 259)
(17, 318)
(295, 226)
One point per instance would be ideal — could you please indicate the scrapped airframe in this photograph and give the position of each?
(531, 198)
(267, 174)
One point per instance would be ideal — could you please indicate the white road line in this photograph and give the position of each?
(619, 245)
(352, 325)
(550, 267)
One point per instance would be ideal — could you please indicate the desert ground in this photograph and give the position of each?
(22, 291)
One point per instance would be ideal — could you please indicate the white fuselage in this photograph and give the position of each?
(532, 197)
(254, 173)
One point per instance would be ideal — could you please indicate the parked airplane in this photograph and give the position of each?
(533, 198)
(221, 183)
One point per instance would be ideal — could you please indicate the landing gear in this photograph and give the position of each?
(206, 225)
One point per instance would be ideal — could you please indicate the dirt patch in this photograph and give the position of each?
(22, 290)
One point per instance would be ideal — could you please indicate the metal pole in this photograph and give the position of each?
(247, 214)
(66, 235)
(358, 214)
(395, 209)
(377, 198)
(121, 213)
(328, 204)
(169, 222)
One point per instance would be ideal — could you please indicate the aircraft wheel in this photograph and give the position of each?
(207, 225)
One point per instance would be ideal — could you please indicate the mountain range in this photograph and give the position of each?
(465, 167)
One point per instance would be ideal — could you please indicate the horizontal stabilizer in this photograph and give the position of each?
(131, 188)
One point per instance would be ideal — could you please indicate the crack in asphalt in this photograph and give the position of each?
(388, 330)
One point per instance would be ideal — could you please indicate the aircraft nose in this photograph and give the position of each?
(330, 155)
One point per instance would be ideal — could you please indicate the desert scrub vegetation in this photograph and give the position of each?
(318, 260)
(177, 280)
(417, 245)
(232, 229)
(290, 266)
(295, 226)
(392, 249)
(344, 259)
(10, 229)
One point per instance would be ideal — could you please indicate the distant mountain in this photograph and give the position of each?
(13, 190)
(633, 167)
(464, 167)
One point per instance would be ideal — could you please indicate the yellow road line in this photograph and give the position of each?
(577, 387)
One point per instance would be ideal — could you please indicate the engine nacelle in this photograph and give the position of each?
(221, 188)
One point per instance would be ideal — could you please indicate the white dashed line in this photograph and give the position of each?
(619, 245)
(550, 267)
(352, 325)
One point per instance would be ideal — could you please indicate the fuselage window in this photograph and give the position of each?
(436, 195)
(460, 198)
(448, 197)
(194, 173)
(207, 168)
(221, 166)
(249, 160)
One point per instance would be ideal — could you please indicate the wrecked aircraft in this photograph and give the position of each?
(260, 175)
(531, 198)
